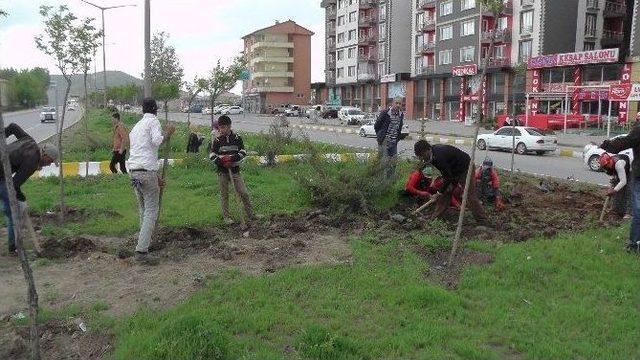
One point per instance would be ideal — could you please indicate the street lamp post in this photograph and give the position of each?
(104, 54)
(147, 48)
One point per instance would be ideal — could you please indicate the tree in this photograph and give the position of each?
(85, 39)
(496, 7)
(519, 72)
(222, 79)
(193, 90)
(166, 72)
(58, 42)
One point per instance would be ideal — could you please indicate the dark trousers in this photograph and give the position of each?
(4, 198)
(475, 206)
(118, 158)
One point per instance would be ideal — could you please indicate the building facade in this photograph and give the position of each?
(449, 44)
(279, 60)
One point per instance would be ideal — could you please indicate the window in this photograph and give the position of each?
(419, 21)
(446, 8)
(590, 25)
(468, 28)
(500, 51)
(382, 12)
(341, 72)
(382, 30)
(340, 54)
(340, 4)
(419, 41)
(340, 37)
(381, 69)
(381, 52)
(504, 132)
(467, 54)
(418, 64)
(589, 46)
(352, 71)
(445, 57)
(467, 4)
(526, 22)
(352, 35)
(503, 23)
(525, 50)
(446, 32)
(352, 53)
(340, 20)
(353, 16)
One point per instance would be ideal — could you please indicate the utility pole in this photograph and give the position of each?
(104, 52)
(147, 48)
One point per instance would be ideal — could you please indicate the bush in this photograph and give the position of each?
(276, 140)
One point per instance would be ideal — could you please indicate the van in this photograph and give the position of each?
(351, 115)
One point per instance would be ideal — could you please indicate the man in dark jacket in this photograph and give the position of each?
(388, 128)
(614, 146)
(453, 164)
(25, 157)
(227, 152)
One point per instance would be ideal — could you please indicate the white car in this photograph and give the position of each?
(293, 111)
(351, 115)
(48, 114)
(367, 130)
(232, 110)
(218, 109)
(591, 154)
(206, 111)
(527, 139)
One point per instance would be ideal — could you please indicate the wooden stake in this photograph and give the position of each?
(604, 208)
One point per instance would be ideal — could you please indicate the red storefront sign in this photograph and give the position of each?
(620, 92)
(593, 95)
(576, 58)
(535, 81)
(484, 96)
(465, 70)
(463, 85)
(623, 110)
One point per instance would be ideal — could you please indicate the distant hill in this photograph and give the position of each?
(114, 78)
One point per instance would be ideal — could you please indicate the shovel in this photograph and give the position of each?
(427, 204)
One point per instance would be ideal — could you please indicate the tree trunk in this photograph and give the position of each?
(24, 261)
(63, 208)
(166, 112)
(86, 128)
(467, 184)
(213, 100)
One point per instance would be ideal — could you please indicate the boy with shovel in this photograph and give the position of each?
(227, 152)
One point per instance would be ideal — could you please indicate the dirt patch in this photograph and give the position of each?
(441, 272)
(71, 215)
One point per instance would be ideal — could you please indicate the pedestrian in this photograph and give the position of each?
(618, 167)
(145, 139)
(227, 152)
(388, 127)
(120, 142)
(453, 164)
(488, 185)
(614, 146)
(25, 157)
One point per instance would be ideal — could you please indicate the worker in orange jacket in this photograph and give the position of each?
(423, 187)
(488, 184)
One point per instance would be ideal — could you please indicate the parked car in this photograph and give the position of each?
(294, 110)
(527, 139)
(232, 110)
(592, 151)
(206, 111)
(367, 130)
(48, 113)
(195, 109)
(219, 108)
(351, 115)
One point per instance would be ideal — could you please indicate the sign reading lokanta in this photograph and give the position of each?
(577, 58)
(465, 70)
(625, 92)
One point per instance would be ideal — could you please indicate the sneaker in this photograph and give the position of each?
(228, 221)
(632, 248)
(146, 259)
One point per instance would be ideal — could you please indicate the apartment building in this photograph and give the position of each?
(279, 59)
(366, 41)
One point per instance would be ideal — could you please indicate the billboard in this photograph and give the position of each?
(576, 58)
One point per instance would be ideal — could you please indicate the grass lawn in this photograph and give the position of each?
(559, 299)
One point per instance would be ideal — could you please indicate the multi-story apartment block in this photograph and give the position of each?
(449, 45)
(279, 59)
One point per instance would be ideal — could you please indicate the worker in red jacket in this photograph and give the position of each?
(488, 184)
(421, 186)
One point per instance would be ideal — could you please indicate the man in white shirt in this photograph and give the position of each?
(145, 139)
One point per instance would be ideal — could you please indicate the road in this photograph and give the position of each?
(548, 165)
(29, 120)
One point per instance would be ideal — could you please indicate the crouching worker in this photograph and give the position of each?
(618, 167)
(421, 187)
(227, 152)
(488, 185)
(195, 141)
(453, 164)
(25, 157)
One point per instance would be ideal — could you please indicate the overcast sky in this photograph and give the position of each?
(202, 31)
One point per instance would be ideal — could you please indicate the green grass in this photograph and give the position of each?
(569, 301)
(100, 134)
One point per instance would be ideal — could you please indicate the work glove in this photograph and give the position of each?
(227, 161)
(609, 192)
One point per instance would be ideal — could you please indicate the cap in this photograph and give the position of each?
(51, 151)
(487, 162)
(604, 160)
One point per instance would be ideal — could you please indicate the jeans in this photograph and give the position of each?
(241, 189)
(118, 158)
(634, 237)
(4, 197)
(388, 154)
(147, 190)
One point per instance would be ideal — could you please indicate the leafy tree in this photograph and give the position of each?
(496, 7)
(166, 72)
(58, 41)
(519, 72)
(193, 90)
(222, 79)
(25, 90)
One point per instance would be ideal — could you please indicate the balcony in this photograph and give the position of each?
(367, 76)
(368, 39)
(331, 13)
(527, 3)
(427, 4)
(272, 74)
(269, 59)
(368, 21)
(370, 57)
(331, 27)
(611, 38)
(429, 24)
(614, 10)
(497, 62)
(501, 36)
(593, 5)
(331, 63)
(368, 4)
(427, 70)
(273, 88)
(331, 46)
(330, 77)
(428, 48)
(271, 45)
(326, 3)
